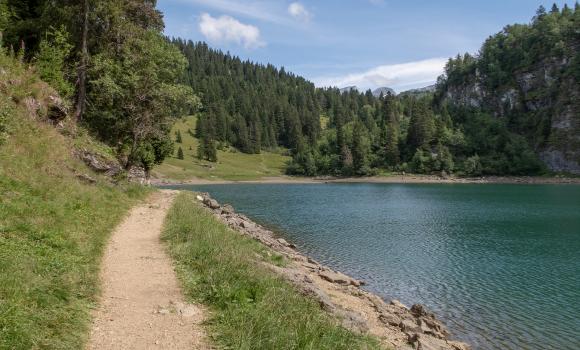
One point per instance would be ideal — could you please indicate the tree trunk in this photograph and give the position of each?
(82, 74)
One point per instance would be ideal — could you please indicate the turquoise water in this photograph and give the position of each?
(500, 264)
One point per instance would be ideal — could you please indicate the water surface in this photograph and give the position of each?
(500, 264)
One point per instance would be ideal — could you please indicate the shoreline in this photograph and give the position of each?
(396, 325)
(393, 179)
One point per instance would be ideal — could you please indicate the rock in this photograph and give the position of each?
(99, 164)
(390, 319)
(57, 109)
(199, 198)
(397, 303)
(211, 203)
(137, 174)
(227, 209)
(426, 342)
(338, 278)
(285, 243)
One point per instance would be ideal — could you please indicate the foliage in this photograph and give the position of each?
(251, 307)
(51, 60)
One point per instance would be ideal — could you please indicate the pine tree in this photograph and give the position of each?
(178, 138)
(179, 153)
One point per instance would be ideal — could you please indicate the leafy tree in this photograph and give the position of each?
(51, 60)
(472, 166)
(144, 96)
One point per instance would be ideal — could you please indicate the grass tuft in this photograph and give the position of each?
(252, 308)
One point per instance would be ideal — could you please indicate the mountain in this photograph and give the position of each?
(528, 78)
(420, 91)
(384, 91)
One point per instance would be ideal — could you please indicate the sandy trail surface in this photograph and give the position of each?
(142, 306)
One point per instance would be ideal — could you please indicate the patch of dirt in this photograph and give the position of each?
(142, 306)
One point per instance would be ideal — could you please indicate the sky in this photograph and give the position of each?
(401, 44)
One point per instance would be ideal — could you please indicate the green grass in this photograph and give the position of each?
(251, 307)
(231, 164)
(53, 227)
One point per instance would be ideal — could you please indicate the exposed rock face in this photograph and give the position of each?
(527, 95)
(99, 163)
(396, 325)
(111, 168)
(384, 91)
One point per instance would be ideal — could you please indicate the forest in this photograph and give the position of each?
(127, 84)
(255, 107)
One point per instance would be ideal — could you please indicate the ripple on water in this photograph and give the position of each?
(499, 263)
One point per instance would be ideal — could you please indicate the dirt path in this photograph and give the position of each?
(142, 305)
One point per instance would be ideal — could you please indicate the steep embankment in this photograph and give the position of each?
(55, 217)
(529, 77)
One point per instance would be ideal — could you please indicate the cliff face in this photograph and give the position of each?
(540, 95)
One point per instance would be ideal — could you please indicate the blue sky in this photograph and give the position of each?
(402, 44)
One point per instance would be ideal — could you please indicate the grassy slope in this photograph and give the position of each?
(53, 228)
(251, 307)
(231, 165)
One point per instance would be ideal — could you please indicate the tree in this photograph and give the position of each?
(51, 60)
(360, 149)
(143, 94)
(178, 138)
(179, 153)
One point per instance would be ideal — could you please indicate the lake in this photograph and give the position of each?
(499, 264)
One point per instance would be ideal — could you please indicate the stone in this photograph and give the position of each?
(335, 277)
(227, 209)
(211, 203)
(390, 319)
(199, 198)
(397, 303)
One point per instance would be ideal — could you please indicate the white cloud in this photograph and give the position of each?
(259, 10)
(226, 29)
(297, 10)
(397, 76)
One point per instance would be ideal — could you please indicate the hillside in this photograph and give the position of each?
(231, 164)
(527, 76)
(55, 218)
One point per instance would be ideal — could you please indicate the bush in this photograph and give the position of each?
(472, 166)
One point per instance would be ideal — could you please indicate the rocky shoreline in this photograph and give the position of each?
(396, 325)
(398, 179)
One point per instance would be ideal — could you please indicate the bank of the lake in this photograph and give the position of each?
(498, 263)
(394, 179)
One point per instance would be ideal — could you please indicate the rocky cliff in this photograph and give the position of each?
(539, 94)
(529, 75)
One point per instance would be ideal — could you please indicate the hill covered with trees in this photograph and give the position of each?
(525, 80)
(512, 109)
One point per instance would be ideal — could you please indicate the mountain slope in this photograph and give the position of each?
(529, 77)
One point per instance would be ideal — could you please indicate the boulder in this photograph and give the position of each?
(227, 209)
(211, 203)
